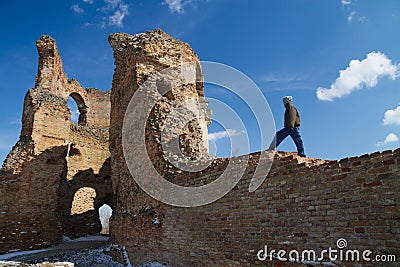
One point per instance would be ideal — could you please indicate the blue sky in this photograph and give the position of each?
(339, 59)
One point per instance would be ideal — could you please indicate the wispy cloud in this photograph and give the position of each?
(104, 13)
(77, 9)
(75, 115)
(177, 6)
(117, 18)
(346, 2)
(73, 108)
(392, 116)
(363, 19)
(15, 121)
(277, 82)
(116, 11)
(360, 74)
(350, 17)
(391, 138)
(222, 134)
(174, 5)
(350, 8)
(286, 78)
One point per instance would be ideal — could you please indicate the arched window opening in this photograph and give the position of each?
(77, 108)
(73, 109)
(105, 213)
(83, 200)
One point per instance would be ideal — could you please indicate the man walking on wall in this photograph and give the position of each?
(291, 127)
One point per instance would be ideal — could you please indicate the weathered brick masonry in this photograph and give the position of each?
(58, 175)
(54, 159)
(302, 204)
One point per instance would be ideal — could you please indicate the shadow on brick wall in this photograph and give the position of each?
(36, 203)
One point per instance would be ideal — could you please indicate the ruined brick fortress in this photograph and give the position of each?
(59, 173)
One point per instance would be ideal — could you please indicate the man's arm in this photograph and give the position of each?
(292, 116)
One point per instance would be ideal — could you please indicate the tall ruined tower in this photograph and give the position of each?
(46, 120)
(153, 60)
(150, 54)
(57, 174)
(138, 60)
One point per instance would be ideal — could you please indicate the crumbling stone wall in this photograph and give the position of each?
(136, 58)
(54, 159)
(58, 175)
(303, 203)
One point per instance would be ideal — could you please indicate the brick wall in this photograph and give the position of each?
(46, 178)
(302, 204)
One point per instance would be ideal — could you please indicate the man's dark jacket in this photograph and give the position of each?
(292, 117)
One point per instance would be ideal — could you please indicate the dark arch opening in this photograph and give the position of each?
(78, 109)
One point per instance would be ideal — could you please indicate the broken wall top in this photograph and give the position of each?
(46, 119)
(92, 103)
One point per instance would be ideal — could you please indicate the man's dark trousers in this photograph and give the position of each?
(295, 134)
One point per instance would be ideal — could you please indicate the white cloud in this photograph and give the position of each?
(346, 2)
(118, 17)
(350, 17)
(222, 134)
(359, 74)
(350, 6)
(73, 108)
(115, 11)
(112, 12)
(391, 138)
(392, 116)
(75, 115)
(176, 6)
(77, 9)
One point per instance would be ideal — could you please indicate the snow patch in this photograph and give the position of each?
(89, 238)
(13, 253)
(152, 264)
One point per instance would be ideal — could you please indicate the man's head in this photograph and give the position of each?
(287, 100)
